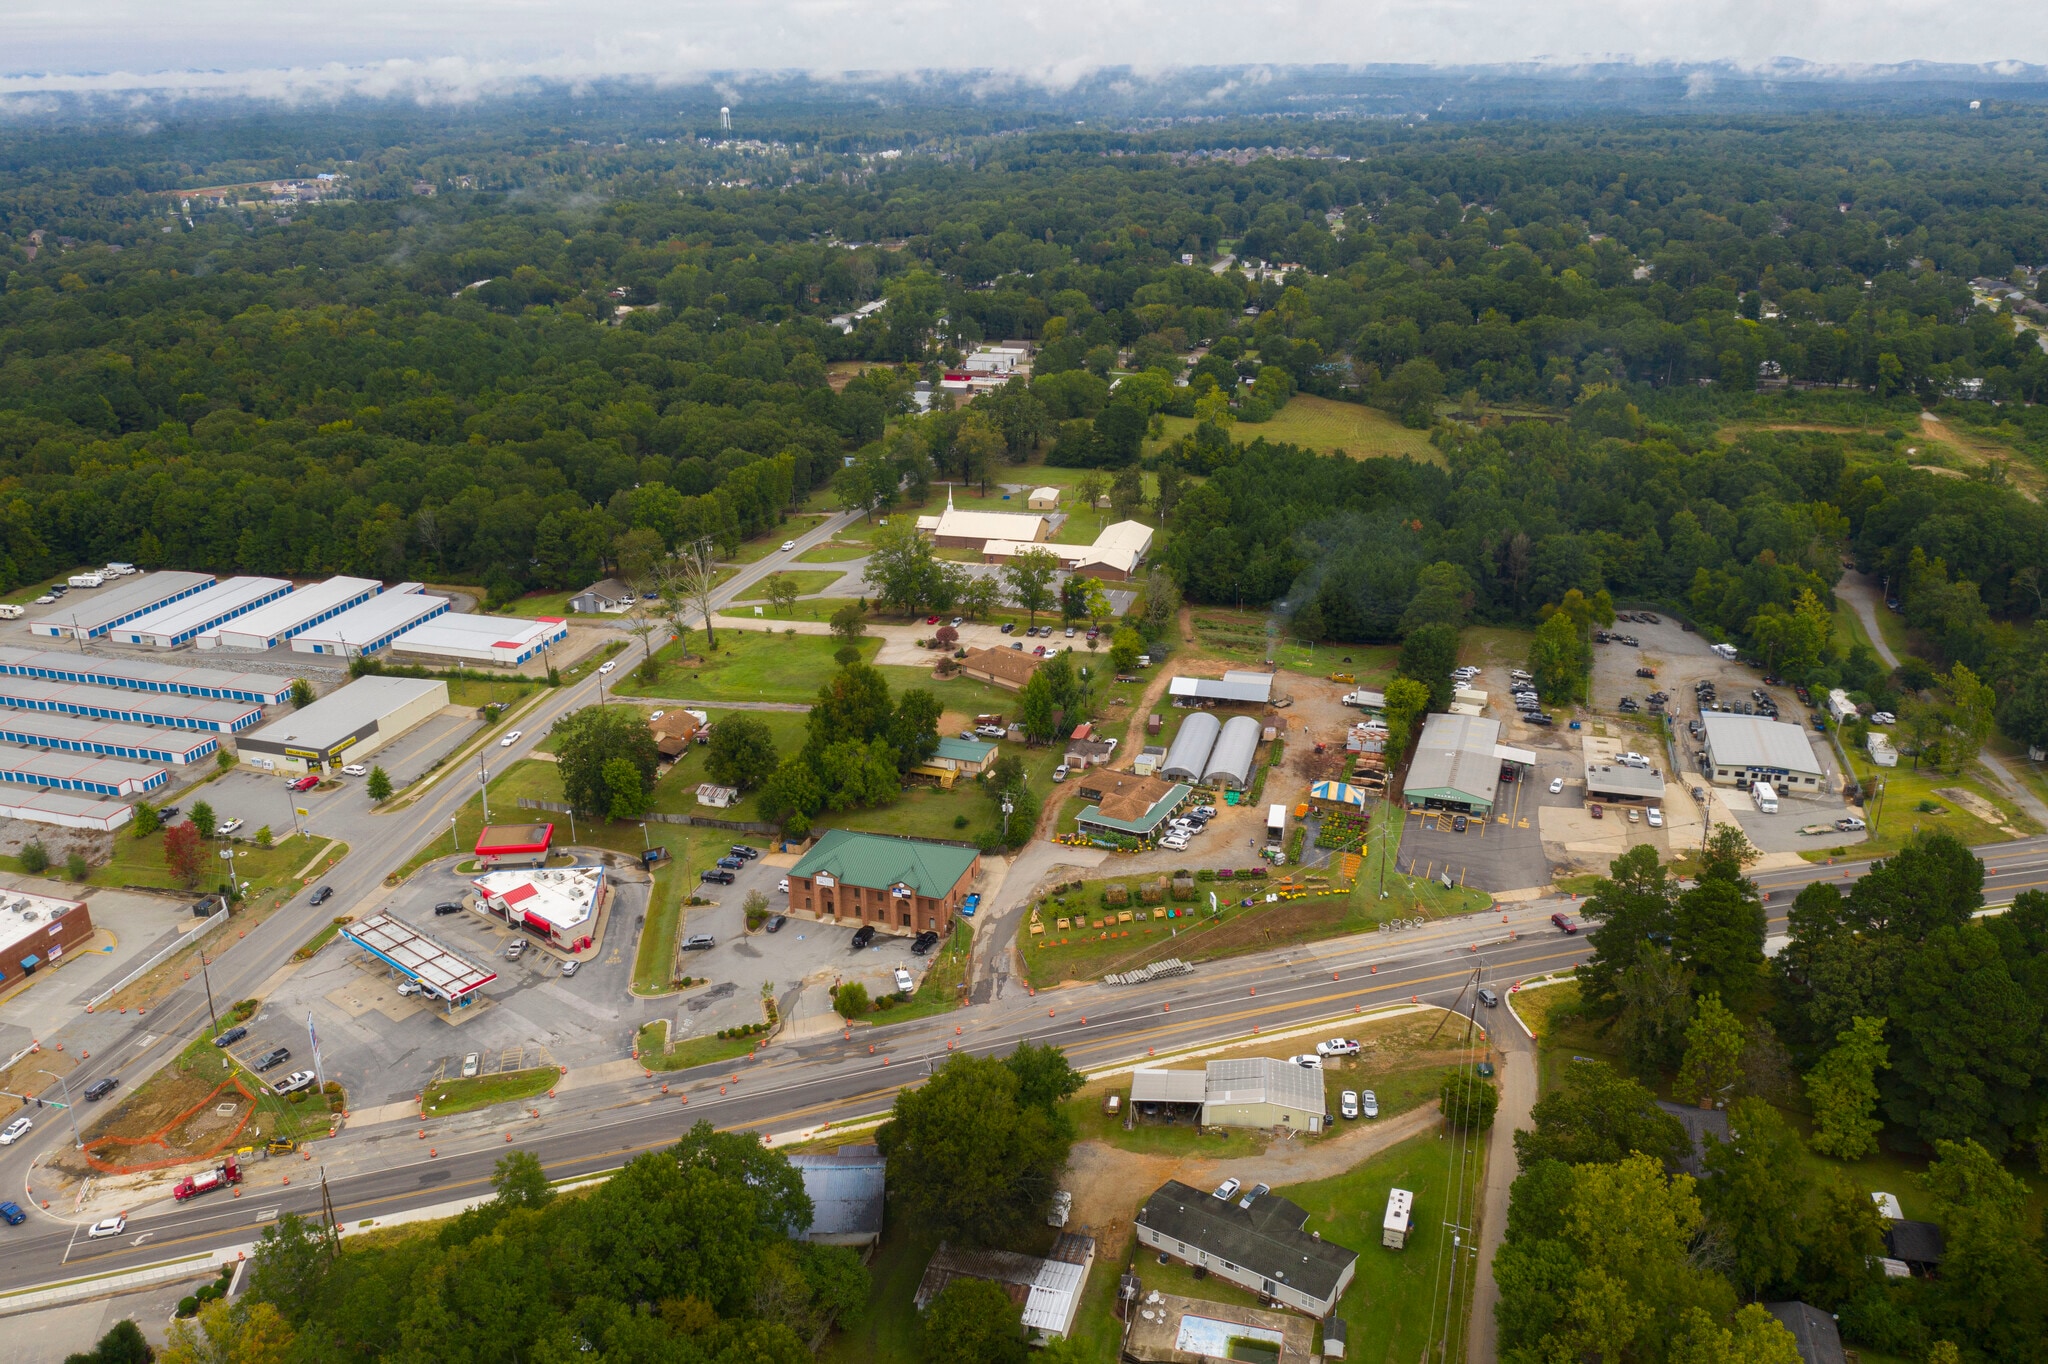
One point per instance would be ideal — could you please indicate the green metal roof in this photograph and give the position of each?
(881, 860)
(962, 750)
(1161, 808)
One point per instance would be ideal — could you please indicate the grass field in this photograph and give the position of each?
(464, 692)
(1323, 424)
(140, 862)
(806, 581)
(657, 1054)
(1900, 812)
(749, 665)
(832, 552)
(458, 1095)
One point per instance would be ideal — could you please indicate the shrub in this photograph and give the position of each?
(851, 999)
(1183, 888)
(1205, 874)
(35, 858)
(188, 1306)
(75, 867)
(959, 821)
(887, 1002)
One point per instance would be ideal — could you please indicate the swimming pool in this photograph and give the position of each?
(1207, 1336)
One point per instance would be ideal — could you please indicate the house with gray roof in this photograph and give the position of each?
(845, 1188)
(1265, 1248)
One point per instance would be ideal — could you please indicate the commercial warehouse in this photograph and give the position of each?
(109, 703)
(364, 629)
(1749, 748)
(1456, 766)
(184, 621)
(504, 640)
(68, 812)
(90, 617)
(1239, 686)
(80, 772)
(350, 724)
(292, 614)
(108, 738)
(135, 674)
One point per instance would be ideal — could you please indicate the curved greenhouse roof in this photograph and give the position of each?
(1189, 756)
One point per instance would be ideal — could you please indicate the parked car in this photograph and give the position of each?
(294, 1082)
(230, 827)
(1059, 774)
(230, 1037)
(1458, 824)
(716, 876)
(862, 936)
(1308, 1060)
(783, 885)
(108, 1226)
(1009, 627)
(355, 770)
(1556, 785)
(924, 943)
(1656, 817)
(511, 739)
(516, 949)
(775, 923)
(16, 1130)
(1174, 842)
(305, 783)
(1227, 1190)
(1337, 1046)
(1850, 824)
(1565, 923)
(272, 1059)
(1597, 812)
(1368, 1103)
(905, 982)
(1254, 1194)
(448, 907)
(570, 968)
(699, 942)
(408, 988)
(1347, 1103)
(469, 1065)
(100, 1089)
(741, 850)
(322, 895)
(732, 863)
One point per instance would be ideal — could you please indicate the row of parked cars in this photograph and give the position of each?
(1182, 828)
(729, 866)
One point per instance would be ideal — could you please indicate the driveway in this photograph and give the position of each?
(1515, 1064)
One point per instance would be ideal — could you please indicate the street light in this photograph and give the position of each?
(77, 1140)
(644, 841)
(454, 837)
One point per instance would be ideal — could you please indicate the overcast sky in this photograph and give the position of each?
(456, 45)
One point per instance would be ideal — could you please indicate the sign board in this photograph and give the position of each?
(826, 882)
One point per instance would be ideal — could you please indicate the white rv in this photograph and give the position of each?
(1766, 797)
(1400, 1217)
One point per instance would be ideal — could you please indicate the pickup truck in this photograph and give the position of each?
(206, 1181)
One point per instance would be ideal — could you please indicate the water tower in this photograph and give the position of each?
(725, 118)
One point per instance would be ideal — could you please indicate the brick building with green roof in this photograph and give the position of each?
(899, 885)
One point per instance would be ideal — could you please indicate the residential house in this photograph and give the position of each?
(1814, 1332)
(1009, 669)
(1264, 1248)
(1049, 1289)
(610, 597)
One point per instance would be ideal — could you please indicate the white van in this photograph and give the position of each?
(1766, 797)
(117, 570)
(86, 580)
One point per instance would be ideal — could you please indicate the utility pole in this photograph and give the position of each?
(207, 977)
(327, 1213)
(483, 781)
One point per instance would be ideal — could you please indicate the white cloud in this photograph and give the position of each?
(454, 49)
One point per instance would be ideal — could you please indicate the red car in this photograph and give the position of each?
(1564, 923)
(931, 620)
(306, 783)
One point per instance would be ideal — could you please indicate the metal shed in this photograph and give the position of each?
(1231, 761)
(1188, 758)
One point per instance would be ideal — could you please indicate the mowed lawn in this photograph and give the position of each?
(1329, 426)
(748, 665)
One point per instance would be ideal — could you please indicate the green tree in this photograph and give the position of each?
(1757, 1197)
(1029, 578)
(35, 858)
(1717, 932)
(1633, 906)
(230, 1333)
(782, 592)
(1653, 1000)
(1468, 1101)
(981, 595)
(1754, 1337)
(202, 819)
(1843, 1091)
(123, 1343)
(1036, 709)
(145, 820)
(1713, 1053)
(1558, 659)
(914, 729)
(849, 623)
(1045, 1078)
(589, 742)
(625, 789)
(905, 574)
(379, 785)
(1993, 1289)
(968, 1159)
(1964, 1042)
(850, 1000)
(521, 1181)
(302, 693)
(972, 1321)
(1428, 655)
(1598, 1115)
(742, 752)
(290, 1260)
(1124, 647)
(1407, 701)
(853, 704)
(1444, 595)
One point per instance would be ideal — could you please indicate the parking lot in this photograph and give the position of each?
(258, 797)
(799, 964)
(1499, 854)
(1681, 659)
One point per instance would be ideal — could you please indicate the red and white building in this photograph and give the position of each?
(514, 845)
(559, 905)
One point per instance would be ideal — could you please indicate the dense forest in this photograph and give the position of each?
(493, 353)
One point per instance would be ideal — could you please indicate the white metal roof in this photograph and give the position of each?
(1054, 1295)
(1239, 684)
(341, 713)
(203, 609)
(1755, 741)
(1264, 1080)
(418, 956)
(288, 614)
(378, 618)
(1168, 1086)
(121, 600)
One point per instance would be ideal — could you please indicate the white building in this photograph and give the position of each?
(181, 622)
(348, 725)
(504, 640)
(560, 905)
(1745, 749)
(363, 630)
(292, 614)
